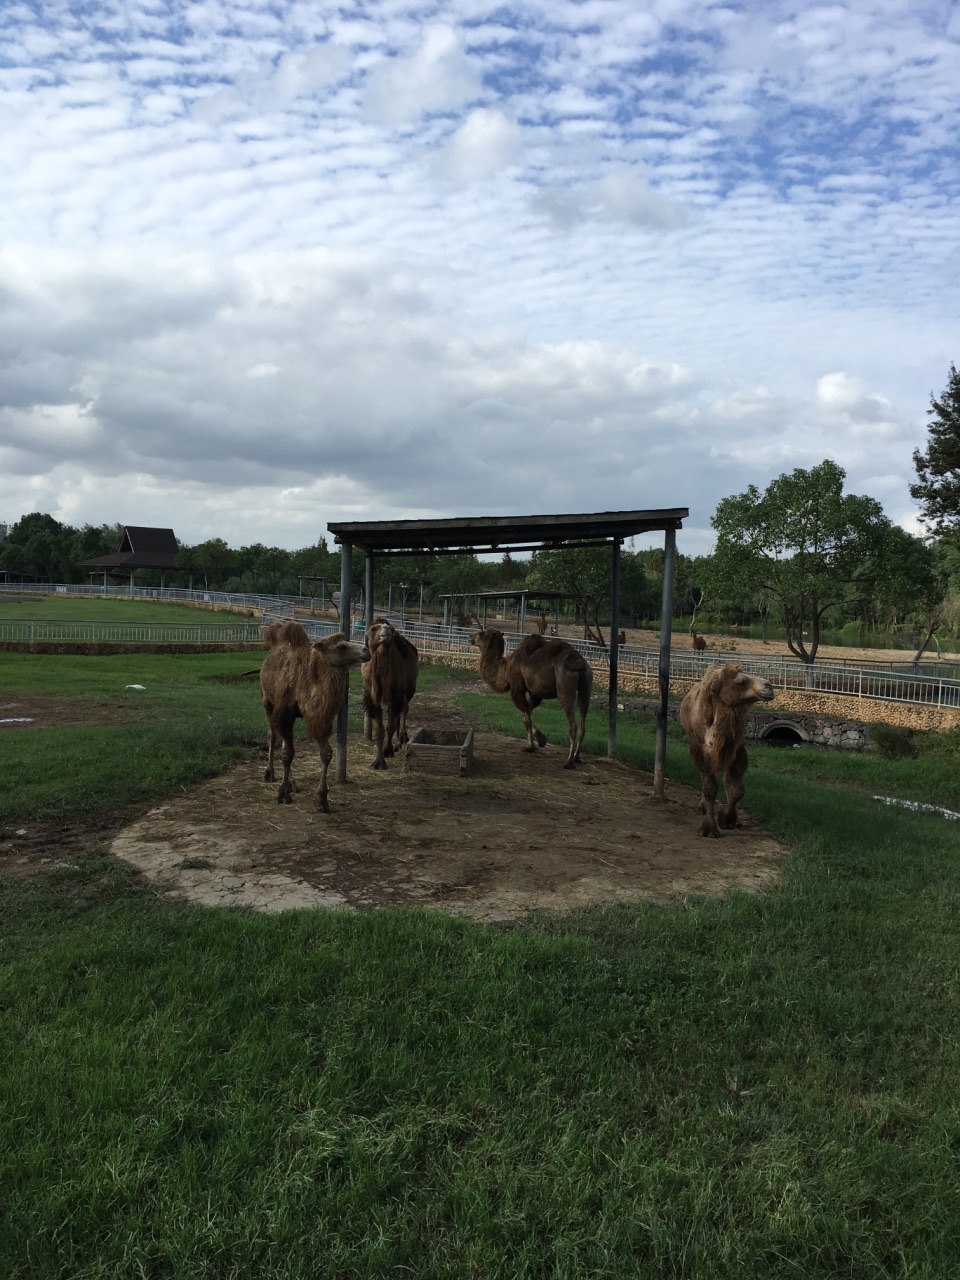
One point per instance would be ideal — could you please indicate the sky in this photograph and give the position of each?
(269, 265)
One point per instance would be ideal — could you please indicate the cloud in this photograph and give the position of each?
(847, 403)
(486, 142)
(263, 267)
(437, 76)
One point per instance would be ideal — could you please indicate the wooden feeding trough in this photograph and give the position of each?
(441, 751)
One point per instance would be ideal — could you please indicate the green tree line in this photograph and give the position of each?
(801, 556)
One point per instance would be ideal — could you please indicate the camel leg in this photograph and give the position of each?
(393, 727)
(285, 790)
(403, 737)
(733, 786)
(272, 740)
(326, 755)
(378, 762)
(519, 699)
(574, 755)
(534, 703)
(708, 800)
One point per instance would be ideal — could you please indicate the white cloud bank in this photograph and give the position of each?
(262, 269)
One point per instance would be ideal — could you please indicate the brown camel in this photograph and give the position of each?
(541, 624)
(698, 641)
(389, 680)
(308, 681)
(537, 669)
(714, 716)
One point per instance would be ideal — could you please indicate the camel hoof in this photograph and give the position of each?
(268, 775)
(378, 764)
(388, 751)
(284, 797)
(323, 806)
(541, 738)
(709, 832)
(531, 751)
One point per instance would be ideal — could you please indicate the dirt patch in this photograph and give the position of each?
(518, 834)
(47, 711)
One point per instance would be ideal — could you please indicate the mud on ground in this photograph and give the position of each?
(519, 833)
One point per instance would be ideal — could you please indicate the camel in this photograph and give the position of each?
(537, 669)
(308, 681)
(389, 680)
(714, 716)
(698, 641)
(541, 624)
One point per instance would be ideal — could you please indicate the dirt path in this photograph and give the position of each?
(518, 834)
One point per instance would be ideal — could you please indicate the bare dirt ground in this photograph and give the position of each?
(517, 834)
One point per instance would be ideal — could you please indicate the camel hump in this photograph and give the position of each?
(290, 633)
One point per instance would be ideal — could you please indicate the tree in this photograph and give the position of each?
(805, 544)
(938, 470)
(38, 546)
(581, 572)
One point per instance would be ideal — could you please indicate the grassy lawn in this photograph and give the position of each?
(108, 609)
(758, 1087)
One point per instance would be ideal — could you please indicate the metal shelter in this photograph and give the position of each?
(521, 597)
(485, 534)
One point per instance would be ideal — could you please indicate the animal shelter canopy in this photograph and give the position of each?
(522, 533)
(503, 533)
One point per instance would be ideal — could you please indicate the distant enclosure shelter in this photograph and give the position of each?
(490, 534)
(520, 598)
(140, 548)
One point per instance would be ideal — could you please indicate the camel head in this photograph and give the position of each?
(735, 687)
(338, 651)
(380, 633)
(489, 640)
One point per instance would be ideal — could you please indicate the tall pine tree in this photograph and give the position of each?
(938, 470)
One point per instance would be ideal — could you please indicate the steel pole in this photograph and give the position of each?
(346, 578)
(614, 650)
(663, 673)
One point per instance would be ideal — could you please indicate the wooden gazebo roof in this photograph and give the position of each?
(140, 548)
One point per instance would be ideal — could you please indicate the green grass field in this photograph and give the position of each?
(755, 1087)
(108, 609)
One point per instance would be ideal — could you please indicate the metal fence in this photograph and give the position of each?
(130, 632)
(852, 682)
(869, 681)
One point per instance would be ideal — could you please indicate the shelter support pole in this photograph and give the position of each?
(614, 649)
(346, 577)
(663, 675)
(368, 620)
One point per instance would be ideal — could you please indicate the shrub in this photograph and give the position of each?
(894, 743)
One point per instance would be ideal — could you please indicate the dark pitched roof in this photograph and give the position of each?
(496, 533)
(140, 548)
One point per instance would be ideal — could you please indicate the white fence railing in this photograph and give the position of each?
(129, 633)
(645, 664)
(854, 682)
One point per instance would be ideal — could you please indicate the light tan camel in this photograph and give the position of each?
(389, 680)
(308, 681)
(537, 669)
(714, 716)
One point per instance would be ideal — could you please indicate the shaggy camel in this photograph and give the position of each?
(538, 668)
(698, 641)
(308, 681)
(714, 716)
(389, 680)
